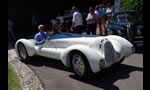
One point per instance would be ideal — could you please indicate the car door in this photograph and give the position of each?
(47, 49)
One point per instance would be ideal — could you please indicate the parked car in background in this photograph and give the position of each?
(127, 24)
(66, 21)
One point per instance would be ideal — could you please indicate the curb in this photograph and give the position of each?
(28, 79)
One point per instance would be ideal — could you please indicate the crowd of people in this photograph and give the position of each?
(95, 18)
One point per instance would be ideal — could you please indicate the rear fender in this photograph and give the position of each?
(29, 45)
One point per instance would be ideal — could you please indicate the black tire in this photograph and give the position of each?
(87, 70)
(22, 48)
(118, 63)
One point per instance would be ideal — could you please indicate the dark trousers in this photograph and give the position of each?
(78, 29)
(91, 28)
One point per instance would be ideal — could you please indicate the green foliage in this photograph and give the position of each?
(132, 5)
(13, 80)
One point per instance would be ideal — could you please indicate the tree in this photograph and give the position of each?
(132, 5)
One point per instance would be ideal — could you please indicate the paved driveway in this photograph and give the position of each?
(55, 76)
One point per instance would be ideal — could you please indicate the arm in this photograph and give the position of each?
(38, 40)
(51, 33)
(73, 25)
(73, 22)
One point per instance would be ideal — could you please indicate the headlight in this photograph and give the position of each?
(110, 32)
(119, 32)
(138, 32)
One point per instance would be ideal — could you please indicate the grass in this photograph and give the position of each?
(13, 80)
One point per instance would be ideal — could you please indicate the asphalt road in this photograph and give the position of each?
(55, 76)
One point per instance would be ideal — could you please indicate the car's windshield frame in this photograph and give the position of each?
(126, 17)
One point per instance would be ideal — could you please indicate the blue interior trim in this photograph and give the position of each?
(69, 35)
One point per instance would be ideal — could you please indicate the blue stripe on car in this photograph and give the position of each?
(68, 35)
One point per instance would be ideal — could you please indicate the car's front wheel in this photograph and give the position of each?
(23, 52)
(80, 65)
(118, 63)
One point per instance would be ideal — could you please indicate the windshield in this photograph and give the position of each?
(126, 17)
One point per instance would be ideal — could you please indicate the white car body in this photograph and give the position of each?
(110, 49)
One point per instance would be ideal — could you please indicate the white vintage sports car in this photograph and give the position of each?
(85, 53)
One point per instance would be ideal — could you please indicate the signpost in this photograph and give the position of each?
(117, 5)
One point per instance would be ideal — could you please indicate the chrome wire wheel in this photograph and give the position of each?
(22, 51)
(78, 64)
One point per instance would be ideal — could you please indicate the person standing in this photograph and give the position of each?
(109, 13)
(102, 10)
(35, 20)
(99, 16)
(11, 35)
(77, 21)
(91, 22)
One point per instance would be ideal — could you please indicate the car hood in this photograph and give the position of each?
(67, 39)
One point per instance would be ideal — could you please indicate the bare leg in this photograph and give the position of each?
(99, 24)
(103, 22)
(109, 18)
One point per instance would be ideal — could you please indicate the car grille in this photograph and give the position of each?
(110, 54)
(130, 33)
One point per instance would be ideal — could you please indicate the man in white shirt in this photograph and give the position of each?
(77, 21)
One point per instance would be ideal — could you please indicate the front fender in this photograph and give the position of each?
(29, 45)
(128, 48)
(92, 56)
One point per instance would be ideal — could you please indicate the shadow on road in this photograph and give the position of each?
(39, 61)
(104, 79)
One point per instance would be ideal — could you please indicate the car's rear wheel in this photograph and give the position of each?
(23, 52)
(80, 65)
